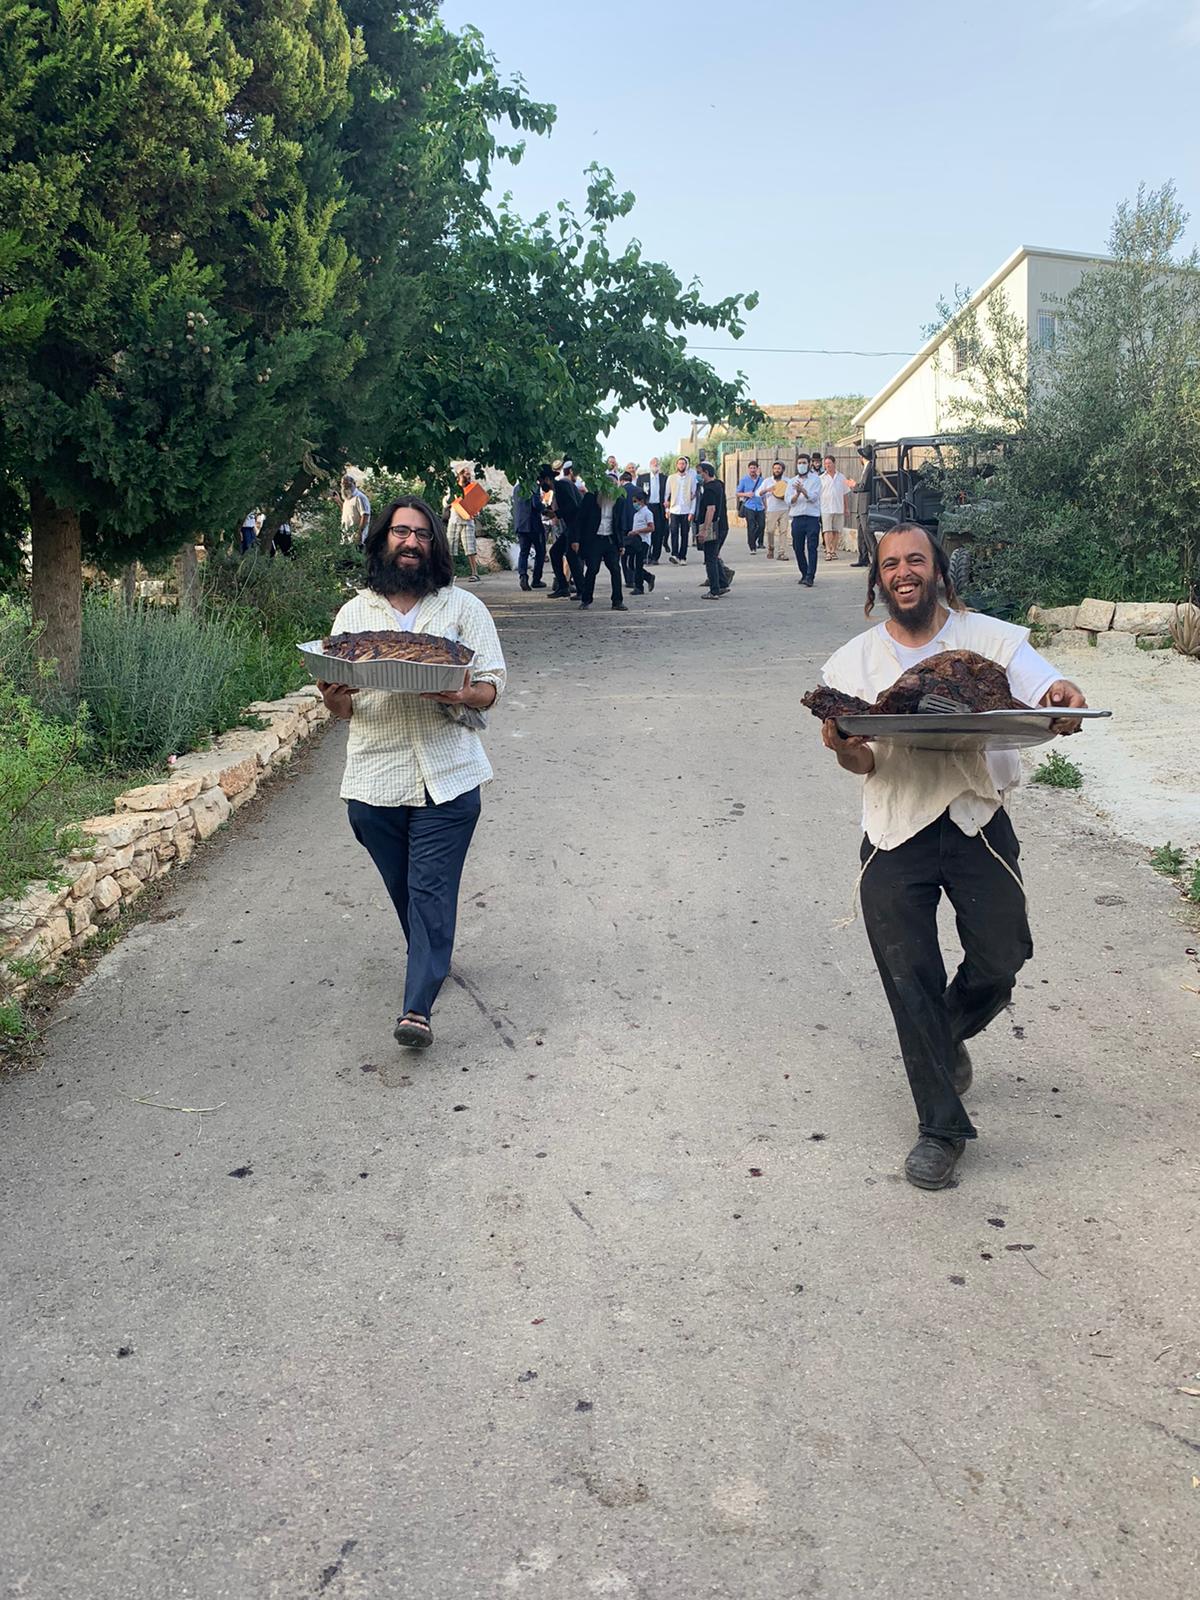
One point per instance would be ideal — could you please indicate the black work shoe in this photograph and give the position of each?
(537, 585)
(961, 1071)
(931, 1161)
(620, 608)
(524, 583)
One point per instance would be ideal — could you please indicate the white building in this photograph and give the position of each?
(919, 400)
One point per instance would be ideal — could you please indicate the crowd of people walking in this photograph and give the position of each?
(633, 521)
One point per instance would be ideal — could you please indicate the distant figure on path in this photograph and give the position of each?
(750, 504)
(806, 519)
(935, 822)
(778, 513)
(682, 487)
(461, 527)
(862, 506)
(356, 511)
(654, 485)
(413, 770)
(601, 544)
(834, 489)
(530, 534)
(712, 525)
(638, 544)
(561, 502)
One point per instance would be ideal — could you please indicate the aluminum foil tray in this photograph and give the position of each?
(400, 677)
(971, 730)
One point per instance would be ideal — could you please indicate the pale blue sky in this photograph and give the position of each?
(862, 159)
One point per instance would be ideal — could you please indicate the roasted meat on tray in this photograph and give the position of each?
(386, 645)
(961, 675)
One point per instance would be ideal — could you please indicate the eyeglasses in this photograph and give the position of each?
(403, 531)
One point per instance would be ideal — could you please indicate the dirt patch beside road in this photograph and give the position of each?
(1142, 769)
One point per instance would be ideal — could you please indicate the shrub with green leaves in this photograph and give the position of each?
(1057, 772)
(156, 681)
(1167, 859)
(37, 754)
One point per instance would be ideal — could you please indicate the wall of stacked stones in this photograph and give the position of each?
(153, 829)
(1111, 626)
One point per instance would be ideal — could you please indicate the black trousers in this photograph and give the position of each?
(566, 561)
(901, 889)
(756, 528)
(535, 542)
(866, 544)
(679, 536)
(659, 537)
(715, 569)
(600, 550)
(633, 560)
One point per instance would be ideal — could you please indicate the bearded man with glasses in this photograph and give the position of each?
(415, 763)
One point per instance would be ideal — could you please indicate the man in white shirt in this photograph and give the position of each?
(776, 496)
(356, 511)
(414, 763)
(934, 822)
(835, 486)
(681, 508)
(805, 509)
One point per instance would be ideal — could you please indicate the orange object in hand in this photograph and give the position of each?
(473, 499)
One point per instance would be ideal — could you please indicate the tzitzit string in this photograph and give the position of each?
(846, 922)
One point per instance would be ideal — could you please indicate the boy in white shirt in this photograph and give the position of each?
(637, 544)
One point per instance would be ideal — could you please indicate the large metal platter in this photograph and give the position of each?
(400, 677)
(972, 730)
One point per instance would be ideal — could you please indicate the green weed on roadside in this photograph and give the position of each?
(1167, 859)
(1058, 772)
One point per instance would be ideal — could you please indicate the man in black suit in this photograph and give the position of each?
(862, 506)
(653, 485)
(563, 515)
(598, 518)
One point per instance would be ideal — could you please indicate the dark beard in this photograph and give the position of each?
(918, 617)
(389, 578)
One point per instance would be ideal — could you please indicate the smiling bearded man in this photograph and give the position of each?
(934, 822)
(415, 763)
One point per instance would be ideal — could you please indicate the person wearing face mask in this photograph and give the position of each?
(934, 823)
(778, 519)
(415, 763)
(806, 519)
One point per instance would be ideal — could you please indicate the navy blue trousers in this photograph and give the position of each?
(805, 533)
(420, 851)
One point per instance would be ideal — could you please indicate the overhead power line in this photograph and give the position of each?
(783, 350)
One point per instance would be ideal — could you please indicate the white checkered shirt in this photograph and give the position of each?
(401, 746)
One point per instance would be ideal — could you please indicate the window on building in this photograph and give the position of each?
(963, 354)
(1047, 329)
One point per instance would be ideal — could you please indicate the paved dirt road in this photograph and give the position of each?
(529, 1323)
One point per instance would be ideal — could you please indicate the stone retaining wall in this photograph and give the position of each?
(153, 829)
(1110, 625)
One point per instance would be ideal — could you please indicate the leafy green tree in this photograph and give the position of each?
(1099, 492)
(163, 169)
